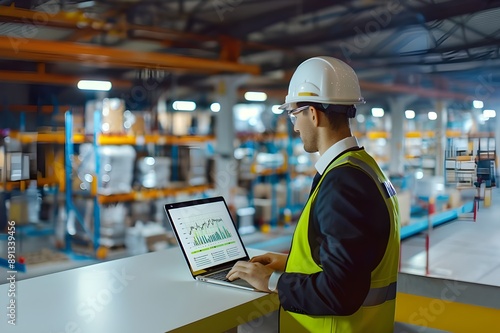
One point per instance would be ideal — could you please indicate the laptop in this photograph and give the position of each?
(208, 238)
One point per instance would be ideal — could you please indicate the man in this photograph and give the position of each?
(340, 274)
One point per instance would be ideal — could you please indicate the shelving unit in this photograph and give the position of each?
(98, 139)
(420, 152)
(266, 164)
(470, 160)
(377, 144)
(29, 196)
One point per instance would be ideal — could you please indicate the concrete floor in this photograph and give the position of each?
(460, 250)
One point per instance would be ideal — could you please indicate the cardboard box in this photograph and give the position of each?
(112, 118)
(137, 123)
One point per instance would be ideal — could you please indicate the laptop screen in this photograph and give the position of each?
(206, 233)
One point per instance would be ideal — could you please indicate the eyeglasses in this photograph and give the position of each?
(292, 114)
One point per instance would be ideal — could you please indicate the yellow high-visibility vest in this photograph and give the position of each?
(377, 312)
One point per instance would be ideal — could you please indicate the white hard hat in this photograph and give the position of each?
(325, 80)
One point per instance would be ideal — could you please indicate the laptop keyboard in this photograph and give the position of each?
(220, 275)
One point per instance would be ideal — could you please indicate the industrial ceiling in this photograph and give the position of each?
(437, 49)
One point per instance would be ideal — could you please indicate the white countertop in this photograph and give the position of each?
(153, 292)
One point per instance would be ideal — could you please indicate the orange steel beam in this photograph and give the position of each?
(78, 20)
(55, 79)
(84, 35)
(39, 50)
(86, 28)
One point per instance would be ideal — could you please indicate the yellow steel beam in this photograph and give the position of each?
(38, 50)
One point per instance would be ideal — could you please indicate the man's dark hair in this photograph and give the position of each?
(337, 115)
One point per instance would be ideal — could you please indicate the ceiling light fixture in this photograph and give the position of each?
(477, 104)
(255, 96)
(94, 85)
(377, 112)
(184, 105)
(409, 114)
(489, 113)
(432, 115)
(215, 107)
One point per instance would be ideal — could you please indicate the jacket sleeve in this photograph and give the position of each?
(348, 233)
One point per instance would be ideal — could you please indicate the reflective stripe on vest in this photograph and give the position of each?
(378, 296)
(385, 186)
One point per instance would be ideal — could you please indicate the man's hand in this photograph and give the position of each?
(253, 272)
(276, 261)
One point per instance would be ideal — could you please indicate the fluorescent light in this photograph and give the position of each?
(409, 114)
(432, 115)
(489, 113)
(215, 107)
(477, 104)
(276, 109)
(245, 112)
(377, 112)
(94, 85)
(85, 4)
(255, 96)
(184, 105)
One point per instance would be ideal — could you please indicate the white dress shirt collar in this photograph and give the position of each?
(334, 151)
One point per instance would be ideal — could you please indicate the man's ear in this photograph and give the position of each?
(314, 115)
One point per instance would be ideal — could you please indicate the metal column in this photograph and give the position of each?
(497, 147)
(442, 120)
(397, 109)
(226, 171)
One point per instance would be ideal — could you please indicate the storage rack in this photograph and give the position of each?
(99, 139)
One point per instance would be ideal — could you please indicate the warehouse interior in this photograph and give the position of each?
(183, 104)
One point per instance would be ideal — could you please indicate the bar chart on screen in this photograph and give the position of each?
(211, 230)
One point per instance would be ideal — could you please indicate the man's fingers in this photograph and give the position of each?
(234, 273)
(241, 270)
(263, 259)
